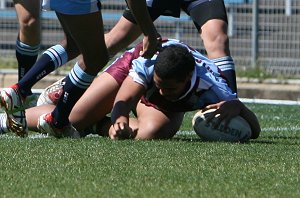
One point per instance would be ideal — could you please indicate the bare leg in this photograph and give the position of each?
(215, 39)
(28, 12)
(32, 115)
(154, 124)
(121, 35)
(95, 103)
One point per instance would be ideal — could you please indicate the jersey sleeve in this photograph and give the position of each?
(142, 70)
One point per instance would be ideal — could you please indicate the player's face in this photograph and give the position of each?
(170, 89)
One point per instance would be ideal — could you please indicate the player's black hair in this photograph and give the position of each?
(174, 62)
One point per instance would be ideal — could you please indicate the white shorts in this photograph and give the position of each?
(72, 7)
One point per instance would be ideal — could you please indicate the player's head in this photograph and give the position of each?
(173, 71)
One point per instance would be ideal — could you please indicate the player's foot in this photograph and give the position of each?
(12, 103)
(52, 93)
(8, 124)
(45, 126)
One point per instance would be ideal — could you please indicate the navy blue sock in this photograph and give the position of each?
(231, 80)
(26, 56)
(75, 85)
(51, 59)
(41, 68)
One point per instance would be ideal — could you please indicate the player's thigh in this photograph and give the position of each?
(28, 8)
(206, 11)
(28, 12)
(154, 124)
(87, 32)
(213, 30)
(96, 102)
(210, 18)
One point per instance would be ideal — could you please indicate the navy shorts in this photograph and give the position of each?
(200, 11)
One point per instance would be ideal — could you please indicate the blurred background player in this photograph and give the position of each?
(83, 27)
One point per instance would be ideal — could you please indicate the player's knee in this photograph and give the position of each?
(29, 22)
(148, 131)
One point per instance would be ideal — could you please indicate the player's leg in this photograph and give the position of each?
(101, 94)
(12, 98)
(154, 124)
(33, 114)
(126, 31)
(211, 20)
(95, 103)
(28, 41)
(121, 35)
(90, 41)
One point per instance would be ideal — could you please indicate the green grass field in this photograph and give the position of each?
(181, 167)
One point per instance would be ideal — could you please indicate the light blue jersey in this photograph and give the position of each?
(207, 84)
(72, 7)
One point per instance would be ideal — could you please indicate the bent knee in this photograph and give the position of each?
(150, 131)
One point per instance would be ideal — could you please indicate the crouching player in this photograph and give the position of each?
(161, 89)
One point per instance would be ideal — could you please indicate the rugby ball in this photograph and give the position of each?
(238, 129)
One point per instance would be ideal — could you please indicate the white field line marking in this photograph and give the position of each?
(246, 100)
(269, 129)
(275, 129)
(269, 101)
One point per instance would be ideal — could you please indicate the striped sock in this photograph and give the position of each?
(50, 60)
(226, 65)
(58, 55)
(26, 56)
(76, 83)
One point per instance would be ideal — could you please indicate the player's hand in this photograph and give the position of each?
(226, 110)
(121, 130)
(150, 46)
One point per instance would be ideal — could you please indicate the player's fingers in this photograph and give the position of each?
(209, 107)
(210, 117)
(112, 133)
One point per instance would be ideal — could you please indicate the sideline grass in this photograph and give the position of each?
(182, 167)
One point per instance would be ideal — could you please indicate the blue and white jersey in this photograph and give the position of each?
(207, 85)
(72, 7)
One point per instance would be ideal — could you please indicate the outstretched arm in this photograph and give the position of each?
(127, 98)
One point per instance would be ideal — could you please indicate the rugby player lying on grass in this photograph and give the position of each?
(158, 90)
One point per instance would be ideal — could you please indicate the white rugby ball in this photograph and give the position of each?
(238, 129)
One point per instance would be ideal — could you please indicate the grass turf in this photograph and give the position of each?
(181, 167)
